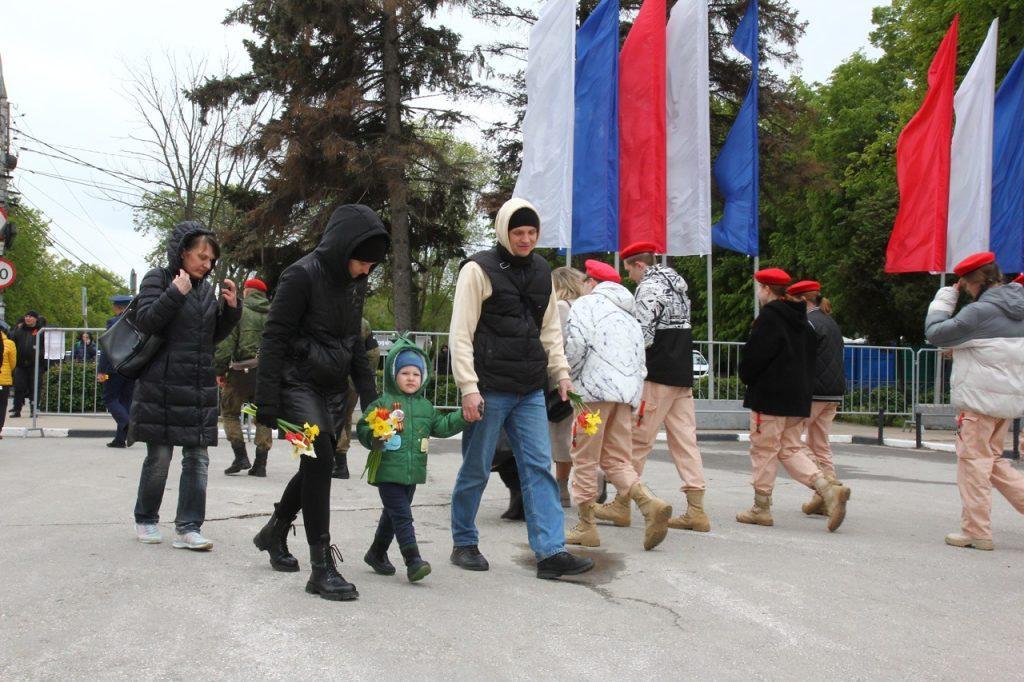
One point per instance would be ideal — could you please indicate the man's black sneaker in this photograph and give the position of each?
(469, 558)
(563, 563)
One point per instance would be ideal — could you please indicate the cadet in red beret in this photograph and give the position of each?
(986, 338)
(829, 383)
(602, 272)
(1019, 279)
(255, 283)
(663, 309)
(778, 367)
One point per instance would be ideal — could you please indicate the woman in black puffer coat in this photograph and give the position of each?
(312, 344)
(175, 400)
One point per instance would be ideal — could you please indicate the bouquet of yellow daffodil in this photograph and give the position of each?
(300, 437)
(586, 420)
(385, 423)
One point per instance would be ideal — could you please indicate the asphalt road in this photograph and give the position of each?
(881, 598)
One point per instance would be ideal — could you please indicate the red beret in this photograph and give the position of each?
(1019, 279)
(972, 263)
(255, 284)
(773, 277)
(638, 247)
(803, 287)
(602, 272)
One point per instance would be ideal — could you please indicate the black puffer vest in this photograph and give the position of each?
(507, 352)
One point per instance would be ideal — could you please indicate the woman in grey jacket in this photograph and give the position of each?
(987, 341)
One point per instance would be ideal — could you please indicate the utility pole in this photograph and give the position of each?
(5, 164)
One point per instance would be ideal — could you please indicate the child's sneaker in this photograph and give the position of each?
(416, 568)
(192, 540)
(148, 533)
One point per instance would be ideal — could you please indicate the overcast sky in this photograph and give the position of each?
(65, 80)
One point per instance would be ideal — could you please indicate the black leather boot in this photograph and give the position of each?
(259, 467)
(325, 579)
(563, 563)
(377, 558)
(273, 538)
(510, 477)
(340, 465)
(241, 459)
(415, 567)
(469, 558)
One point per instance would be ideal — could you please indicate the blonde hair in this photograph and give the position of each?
(568, 283)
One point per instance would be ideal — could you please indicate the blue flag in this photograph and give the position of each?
(1006, 238)
(737, 167)
(595, 184)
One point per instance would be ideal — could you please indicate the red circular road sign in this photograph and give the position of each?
(7, 273)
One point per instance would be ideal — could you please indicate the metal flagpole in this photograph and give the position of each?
(939, 362)
(568, 257)
(711, 334)
(757, 304)
(617, 261)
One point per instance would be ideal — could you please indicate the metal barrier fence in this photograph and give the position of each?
(66, 381)
(881, 380)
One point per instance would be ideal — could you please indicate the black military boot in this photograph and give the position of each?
(377, 558)
(510, 477)
(259, 467)
(325, 579)
(241, 459)
(340, 465)
(415, 567)
(273, 538)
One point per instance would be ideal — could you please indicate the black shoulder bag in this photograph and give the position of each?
(128, 349)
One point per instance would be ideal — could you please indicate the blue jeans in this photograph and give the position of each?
(396, 517)
(525, 420)
(191, 487)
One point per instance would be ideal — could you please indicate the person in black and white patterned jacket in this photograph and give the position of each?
(663, 311)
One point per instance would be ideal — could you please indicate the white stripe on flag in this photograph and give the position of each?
(970, 173)
(689, 130)
(545, 179)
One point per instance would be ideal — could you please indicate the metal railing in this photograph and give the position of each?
(65, 382)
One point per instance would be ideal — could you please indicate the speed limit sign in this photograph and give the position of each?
(7, 273)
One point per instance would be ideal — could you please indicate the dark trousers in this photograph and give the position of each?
(396, 517)
(310, 491)
(5, 392)
(23, 388)
(117, 396)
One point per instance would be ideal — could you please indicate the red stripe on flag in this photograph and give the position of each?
(642, 142)
(918, 241)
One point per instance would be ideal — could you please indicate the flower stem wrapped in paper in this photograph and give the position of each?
(300, 437)
(586, 420)
(385, 423)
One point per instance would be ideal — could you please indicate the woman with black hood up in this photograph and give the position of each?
(175, 400)
(311, 346)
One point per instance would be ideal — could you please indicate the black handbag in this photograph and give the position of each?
(127, 349)
(558, 410)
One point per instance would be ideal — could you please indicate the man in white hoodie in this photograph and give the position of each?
(987, 385)
(605, 349)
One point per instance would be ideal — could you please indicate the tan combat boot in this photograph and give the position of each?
(617, 511)
(760, 514)
(585, 532)
(656, 514)
(694, 518)
(961, 540)
(817, 505)
(835, 497)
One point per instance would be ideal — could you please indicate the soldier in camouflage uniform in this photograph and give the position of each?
(341, 453)
(236, 362)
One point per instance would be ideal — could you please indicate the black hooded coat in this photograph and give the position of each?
(175, 400)
(778, 359)
(312, 342)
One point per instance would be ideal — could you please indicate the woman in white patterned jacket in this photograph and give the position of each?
(605, 348)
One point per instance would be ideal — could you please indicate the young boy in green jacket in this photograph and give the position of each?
(403, 458)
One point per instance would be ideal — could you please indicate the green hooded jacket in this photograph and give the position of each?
(408, 464)
(243, 342)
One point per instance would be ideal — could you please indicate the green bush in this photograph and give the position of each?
(71, 388)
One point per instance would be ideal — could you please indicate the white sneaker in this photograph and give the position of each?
(192, 540)
(148, 533)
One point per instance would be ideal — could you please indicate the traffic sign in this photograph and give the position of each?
(7, 273)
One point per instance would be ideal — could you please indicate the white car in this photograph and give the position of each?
(700, 365)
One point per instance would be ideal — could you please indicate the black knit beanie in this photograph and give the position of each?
(524, 217)
(372, 249)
